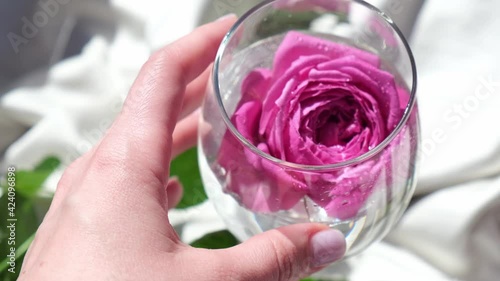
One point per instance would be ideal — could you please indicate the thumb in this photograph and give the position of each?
(287, 253)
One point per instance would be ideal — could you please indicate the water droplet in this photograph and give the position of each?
(345, 202)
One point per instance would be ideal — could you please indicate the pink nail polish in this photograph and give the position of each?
(327, 246)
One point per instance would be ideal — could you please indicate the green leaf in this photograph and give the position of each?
(185, 167)
(25, 226)
(216, 240)
(28, 183)
(282, 21)
(20, 252)
(48, 164)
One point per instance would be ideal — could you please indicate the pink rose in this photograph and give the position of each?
(321, 103)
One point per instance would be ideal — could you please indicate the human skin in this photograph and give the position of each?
(109, 217)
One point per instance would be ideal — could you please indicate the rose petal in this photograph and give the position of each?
(380, 84)
(255, 85)
(282, 88)
(296, 45)
(246, 120)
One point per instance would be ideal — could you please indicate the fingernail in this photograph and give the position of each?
(173, 178)
(327, 246)
(226, 17)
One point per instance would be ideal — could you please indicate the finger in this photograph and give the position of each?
(174, 192)
(185, 134)
(287, 253)
(142, 133)
(195, 93)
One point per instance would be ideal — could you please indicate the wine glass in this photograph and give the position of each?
(260, 178)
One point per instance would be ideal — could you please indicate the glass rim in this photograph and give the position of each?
(295, 166)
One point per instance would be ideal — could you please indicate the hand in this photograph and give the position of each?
(109, 217)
